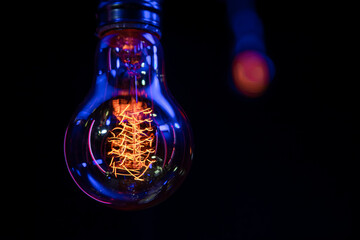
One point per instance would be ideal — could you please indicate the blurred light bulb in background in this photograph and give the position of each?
(252, 69)
(130, 144)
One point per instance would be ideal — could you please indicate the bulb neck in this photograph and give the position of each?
(128, 62)
(129, 14)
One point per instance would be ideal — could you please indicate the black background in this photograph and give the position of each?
(278, 167)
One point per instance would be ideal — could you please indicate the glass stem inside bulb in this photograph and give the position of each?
(131, 143)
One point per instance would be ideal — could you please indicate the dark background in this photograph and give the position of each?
(278, 167)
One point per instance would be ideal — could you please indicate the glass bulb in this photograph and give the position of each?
(130, 144)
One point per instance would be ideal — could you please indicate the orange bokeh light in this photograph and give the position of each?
(250, 73)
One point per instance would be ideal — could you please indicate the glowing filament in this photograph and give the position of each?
(131, 141)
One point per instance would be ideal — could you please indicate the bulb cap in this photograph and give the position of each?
(138, 14)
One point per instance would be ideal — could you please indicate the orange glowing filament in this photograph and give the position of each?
(132, 140)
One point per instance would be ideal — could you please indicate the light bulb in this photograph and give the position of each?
(129, 145)
(252, 69)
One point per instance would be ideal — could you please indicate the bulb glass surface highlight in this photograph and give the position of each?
(130, 144)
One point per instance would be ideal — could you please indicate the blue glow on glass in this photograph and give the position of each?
(164, 127)
(113, 73)
(157, 95)
(150, 38)
(98, 97)
(98, 186)
(155, 58)
(148, 60)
